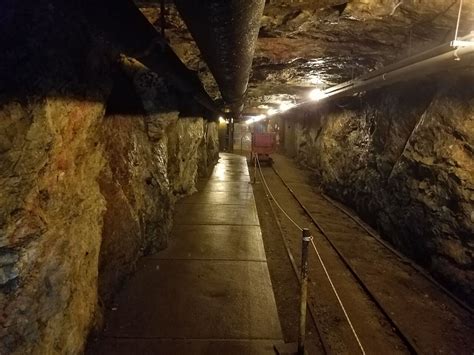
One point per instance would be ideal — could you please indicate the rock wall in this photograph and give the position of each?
(83, 195)
(93, 157)
(51, 223)
(403, 159)
(141, 181)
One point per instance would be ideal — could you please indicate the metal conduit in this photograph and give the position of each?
(226, 33)
(454, 54)
(411, 71)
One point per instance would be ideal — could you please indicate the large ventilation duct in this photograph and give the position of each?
(226, 32)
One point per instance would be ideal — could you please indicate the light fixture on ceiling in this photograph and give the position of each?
(285, 106)
(317, 94)
(255, 119)
(271, 111)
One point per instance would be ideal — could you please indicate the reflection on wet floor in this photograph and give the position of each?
(210, 290)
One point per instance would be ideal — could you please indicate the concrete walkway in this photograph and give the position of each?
(210, 291)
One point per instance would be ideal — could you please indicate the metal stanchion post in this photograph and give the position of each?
(299, 347)
(254, 167)
(230, 135)
(304, 290)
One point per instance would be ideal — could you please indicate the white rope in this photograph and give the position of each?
(396, 7)
(457, 23)
(338, 298)
(273, 197)
(319, 258)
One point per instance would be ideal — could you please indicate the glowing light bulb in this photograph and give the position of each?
(255, 119)
(317, 94)
(285, 106)
(221, 119)
(271, 111)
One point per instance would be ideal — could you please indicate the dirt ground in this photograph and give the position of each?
(408, 297)
(286, 286)
(284, 281)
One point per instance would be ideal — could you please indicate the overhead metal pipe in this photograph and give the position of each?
(423, 57)
(406, 73)
(454, 54)
(226, 33)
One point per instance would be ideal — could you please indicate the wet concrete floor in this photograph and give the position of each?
(209, 292)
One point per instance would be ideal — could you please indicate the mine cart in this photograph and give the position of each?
(263, 144)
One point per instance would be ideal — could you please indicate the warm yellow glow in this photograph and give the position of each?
(317, 94)
(255, 119)
(315, 80)
(219, 172)
(271, 111)
(221, 119)
(285, 106)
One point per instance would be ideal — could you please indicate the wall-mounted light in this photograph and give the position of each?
(316, 94)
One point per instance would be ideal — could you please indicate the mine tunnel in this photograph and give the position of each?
(237, 177)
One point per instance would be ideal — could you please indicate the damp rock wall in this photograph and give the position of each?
(83, 196)
(402, 158)
(50, 225)
(93, 157)
(141, 181)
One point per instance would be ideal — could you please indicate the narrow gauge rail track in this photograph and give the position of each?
(407, 337)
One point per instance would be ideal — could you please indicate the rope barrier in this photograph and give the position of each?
(273, 197)
(458, 21)
(346, 315)
(338, 299)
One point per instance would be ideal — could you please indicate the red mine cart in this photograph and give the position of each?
(263, 144)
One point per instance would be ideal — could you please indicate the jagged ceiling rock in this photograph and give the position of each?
(182, 42)
(306, 44)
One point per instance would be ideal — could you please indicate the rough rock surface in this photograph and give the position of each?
(317, 43)
(404, 160)
(87, 181)
(141, 181)
(51, 222)
(80, 203)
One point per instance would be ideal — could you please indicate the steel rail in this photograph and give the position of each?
(291, 258)
(398, 254)
(333, 287)
(406, 339)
